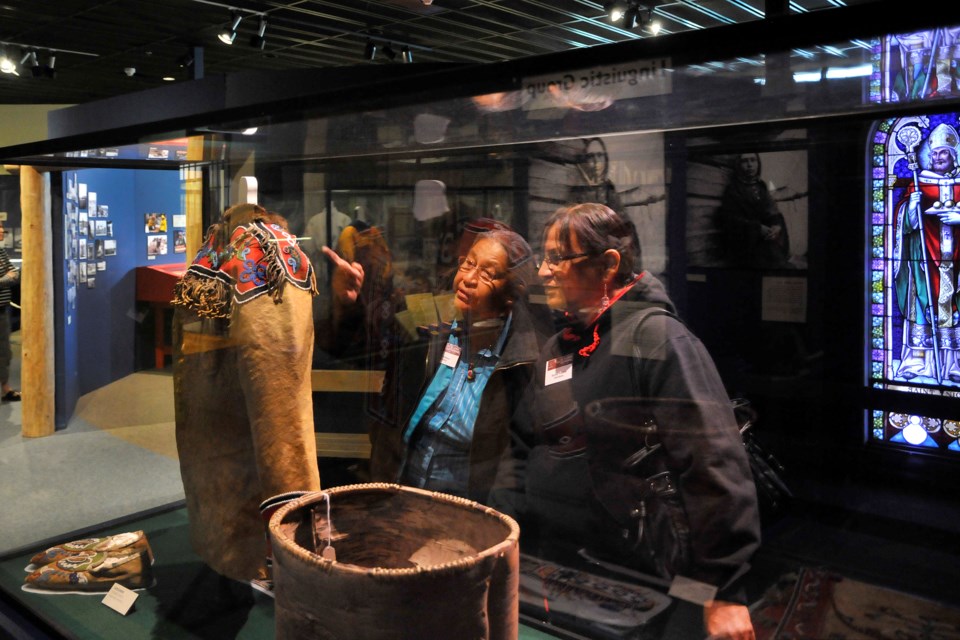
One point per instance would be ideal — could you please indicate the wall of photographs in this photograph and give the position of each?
(114, 220)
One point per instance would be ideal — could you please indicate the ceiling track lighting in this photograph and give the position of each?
(30, 58)
(227, 36)
(259, 41)
(406, 55)
(370, 50)
(630, 15)
(7, 65)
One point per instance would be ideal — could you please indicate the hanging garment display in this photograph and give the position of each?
(243, 342)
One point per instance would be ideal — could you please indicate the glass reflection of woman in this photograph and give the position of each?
(624, 343)
(449, 436)
(755, 232)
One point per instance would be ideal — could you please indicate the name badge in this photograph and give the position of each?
(451, 355)
(558, 370)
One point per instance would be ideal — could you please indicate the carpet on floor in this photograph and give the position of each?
(815, 602)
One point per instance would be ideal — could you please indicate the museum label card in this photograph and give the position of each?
(784, 299)
(692, 590)
(120, 599)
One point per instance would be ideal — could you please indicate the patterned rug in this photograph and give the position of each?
(819, 604)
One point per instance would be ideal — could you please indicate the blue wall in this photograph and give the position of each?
(100, 328)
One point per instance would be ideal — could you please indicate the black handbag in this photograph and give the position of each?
(773, 494)
(642, 517)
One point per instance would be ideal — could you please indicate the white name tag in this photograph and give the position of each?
(692, 590)
(558, 370)
(120, 599)
(451, 355)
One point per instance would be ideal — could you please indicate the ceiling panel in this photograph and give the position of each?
(95, 41)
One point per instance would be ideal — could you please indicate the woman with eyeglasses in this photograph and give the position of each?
(633, 458)
(452, 407)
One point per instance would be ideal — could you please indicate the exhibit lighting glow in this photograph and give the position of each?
(6, 64)
(227, 36)
(914, 433)
(168, 78)
(655, 27)
(850, 72)
(249, 131)
(807, 76)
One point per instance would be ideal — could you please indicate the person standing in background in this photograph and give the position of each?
(9, 278)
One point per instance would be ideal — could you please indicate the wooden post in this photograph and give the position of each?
(37, 375)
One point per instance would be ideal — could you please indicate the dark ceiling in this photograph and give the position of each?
(110, 47)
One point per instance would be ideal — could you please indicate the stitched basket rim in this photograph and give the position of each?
(282, 541)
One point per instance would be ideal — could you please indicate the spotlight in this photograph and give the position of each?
(617, 11)
(630, 18)
(406, 55)
(29, 59)
(7, 65)
(258, 41)
(48, 69)
(227, 36)
(370, 52)
(130, 71)
(654, 26)
(389, 52)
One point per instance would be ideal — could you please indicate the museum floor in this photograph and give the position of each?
(115, 466)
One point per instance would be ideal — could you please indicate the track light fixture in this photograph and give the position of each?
(616, 10)
(259, 41)
(370, 51)
(31, 59)
(630, 14)
(227, 36)
(389, 52)
(49, 69)
(406, 55)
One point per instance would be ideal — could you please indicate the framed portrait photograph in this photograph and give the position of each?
(156, 245)
(747, 209)
(179, 241)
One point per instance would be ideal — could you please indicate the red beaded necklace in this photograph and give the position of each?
(568, 333)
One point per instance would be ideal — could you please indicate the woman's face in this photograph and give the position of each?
(480, 281)
(749, 165)
(574, 284)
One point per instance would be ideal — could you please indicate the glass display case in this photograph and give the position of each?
(483, 247)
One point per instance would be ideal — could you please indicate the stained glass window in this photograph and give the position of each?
(914, 275)
(924, 65)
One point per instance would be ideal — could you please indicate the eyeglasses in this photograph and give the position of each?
(553, 260)
(486, 274)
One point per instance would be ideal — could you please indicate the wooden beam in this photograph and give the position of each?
(38, 377)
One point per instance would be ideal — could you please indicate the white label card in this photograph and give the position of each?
(558, 370)
(692, 590)
(451, 355)
(120, 599)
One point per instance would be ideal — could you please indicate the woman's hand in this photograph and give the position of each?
(347, 277)
(727, 621)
